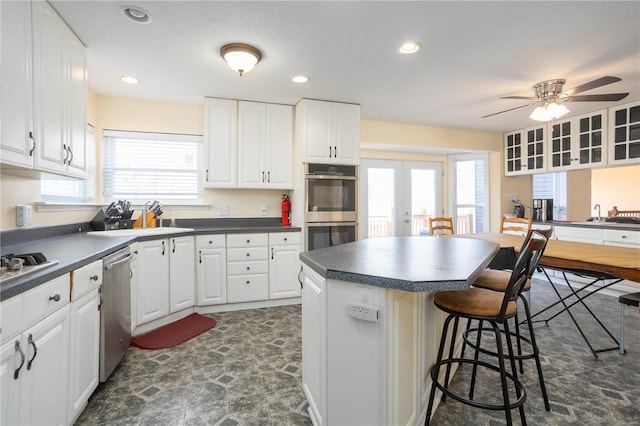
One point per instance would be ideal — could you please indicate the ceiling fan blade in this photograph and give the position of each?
(520, 97)
(609, 97)
(510, 109)
(602, 81)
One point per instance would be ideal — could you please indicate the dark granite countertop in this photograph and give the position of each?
(405, 263)
(73, 248)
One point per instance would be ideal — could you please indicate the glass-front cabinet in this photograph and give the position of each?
(525, 151)
(578, 142)
(624, 147)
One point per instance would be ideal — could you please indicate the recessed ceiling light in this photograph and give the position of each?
(135, 14)
(300, 79)
(129, 79)
(409, 48)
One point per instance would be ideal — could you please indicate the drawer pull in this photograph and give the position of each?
(248, 282)
(248, 268)
(55, 298)
(248, 254)
(623, 236)
(35, 351)
(285, 238)
(16, 373)
(93, 278)
(248, 241)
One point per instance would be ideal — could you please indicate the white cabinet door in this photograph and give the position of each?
(212, 286)
(220, 143)
(284, 265)
(45, 382)
(252, 145)
(84, 351)
(17, 85)
(76, 106)
(314, 345)
(134, 286)
(265, 146)
(12, 359)
(330, 132)
(153, 280)
(182, 281)
(525, 151)
(578, 142)
(624, 131)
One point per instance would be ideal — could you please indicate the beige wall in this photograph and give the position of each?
(579, 195)
(619, 186)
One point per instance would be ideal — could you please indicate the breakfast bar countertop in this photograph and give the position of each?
(415, 264)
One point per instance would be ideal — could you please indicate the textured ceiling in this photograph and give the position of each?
(472, 53)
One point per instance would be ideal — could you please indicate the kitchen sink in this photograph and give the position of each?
(138, 232)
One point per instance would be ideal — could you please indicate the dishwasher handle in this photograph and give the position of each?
(118, 262)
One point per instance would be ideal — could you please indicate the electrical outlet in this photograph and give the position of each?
(263, 210)
(23, 215)
(362, 312)
(223, 210)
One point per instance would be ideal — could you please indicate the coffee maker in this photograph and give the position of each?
(543, 209)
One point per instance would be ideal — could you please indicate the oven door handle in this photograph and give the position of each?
(118, 262)
(330, 177)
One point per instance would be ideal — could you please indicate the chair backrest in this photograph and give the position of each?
(515, 225)
(527, 261)
(441, 226)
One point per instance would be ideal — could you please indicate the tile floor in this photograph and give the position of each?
(246, 371)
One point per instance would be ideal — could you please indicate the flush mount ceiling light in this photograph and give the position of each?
(409, 48)
(129, 79)
(240, 57)
(300, 79)
(135, 14)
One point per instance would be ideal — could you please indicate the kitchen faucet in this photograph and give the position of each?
(599, 218)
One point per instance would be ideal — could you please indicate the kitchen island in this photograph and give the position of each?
(370, 331)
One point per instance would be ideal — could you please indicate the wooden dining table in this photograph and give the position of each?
(598, 262)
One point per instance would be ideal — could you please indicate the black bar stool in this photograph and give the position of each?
(496, 309)
(630, 299)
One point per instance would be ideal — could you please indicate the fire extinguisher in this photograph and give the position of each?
(286, 210)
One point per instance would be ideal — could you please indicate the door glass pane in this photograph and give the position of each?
(470, 196)
(423, 199)
(381, 202)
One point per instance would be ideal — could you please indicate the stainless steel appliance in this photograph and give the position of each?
(331, 193)
(115, 311)
(321, 235)
(543, 209)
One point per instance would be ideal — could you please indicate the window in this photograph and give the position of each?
(143, 166)
(61, 189)
(552, 185)
(469, 186)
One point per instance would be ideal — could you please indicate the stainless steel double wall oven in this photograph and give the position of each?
(331, 204)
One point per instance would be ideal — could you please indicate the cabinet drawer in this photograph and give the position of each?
(242, 254)
(580, 233)
(11, 314)
(284, 238)
(247, 288)
(41, 301)
(248, 268)
(86, 279)
(247, 240)
(622, 236)
(210, 241)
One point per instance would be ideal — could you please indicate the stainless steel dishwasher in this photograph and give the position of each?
(115, 311)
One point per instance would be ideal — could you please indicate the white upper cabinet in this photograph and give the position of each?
(220, 143)
(578, 142)
(43, 91)
(265, 145)
(330, 132)
(624, 128)
(17, 87)
(524, 151)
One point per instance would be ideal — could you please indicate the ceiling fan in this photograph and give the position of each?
(549, 96)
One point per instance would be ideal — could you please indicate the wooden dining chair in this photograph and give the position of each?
(441, 226)
(515, 225)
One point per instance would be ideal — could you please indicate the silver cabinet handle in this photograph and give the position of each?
(93, 278)
(268, 177)
(173, 250)
(33, 147)
(66, 153)
(199, 256)
(16, 373)
(300, 279)
(271, 253)
(55, 298)
(70, 152)
(335, 152)
(206, 175)
(262, 177)
(163, 247)
(35, 351)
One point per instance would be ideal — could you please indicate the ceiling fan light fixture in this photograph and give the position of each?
(548, 112)
(240, 57)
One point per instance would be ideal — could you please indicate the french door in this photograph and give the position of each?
(398, 197)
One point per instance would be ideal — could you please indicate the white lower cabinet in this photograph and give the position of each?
(182, 273)
(284, 265)
(134, 285)
(211, 269)
(34, 371)
(84, 357)
(247, 267)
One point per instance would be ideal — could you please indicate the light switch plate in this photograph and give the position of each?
(223, 210)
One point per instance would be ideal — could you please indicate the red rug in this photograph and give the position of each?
(175, 333)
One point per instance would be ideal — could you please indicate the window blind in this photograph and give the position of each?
(552, 185)
(143, 166)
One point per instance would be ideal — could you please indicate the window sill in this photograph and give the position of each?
(43, 206)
